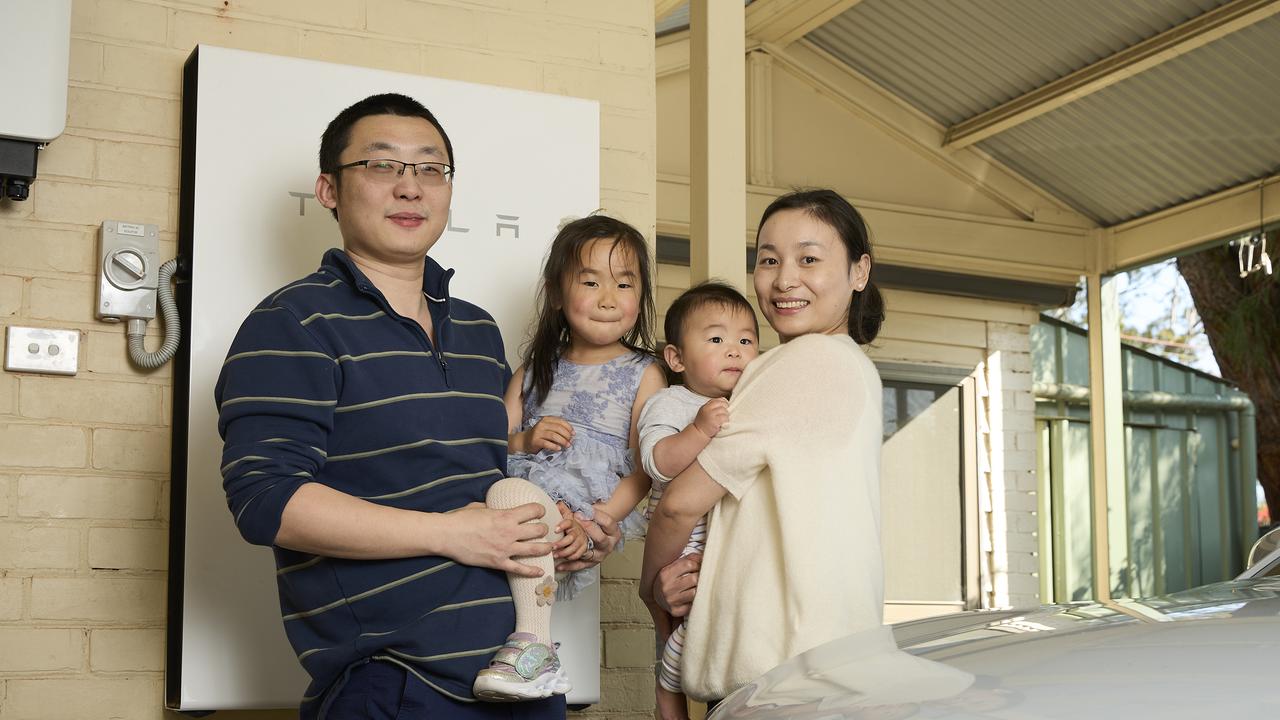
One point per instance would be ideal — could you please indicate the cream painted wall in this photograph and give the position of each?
(817, 143)
(84, 493)
(673, 123)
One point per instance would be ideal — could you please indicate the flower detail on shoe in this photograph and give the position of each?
(546, 590)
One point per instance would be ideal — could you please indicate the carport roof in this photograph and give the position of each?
(1205, 120)
(1120, 109)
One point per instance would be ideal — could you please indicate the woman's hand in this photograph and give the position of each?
(604, 534)
(574, 543)
(676, 585)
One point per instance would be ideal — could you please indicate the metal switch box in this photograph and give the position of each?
(128, 271)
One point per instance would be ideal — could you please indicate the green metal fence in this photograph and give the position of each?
(1185, 513)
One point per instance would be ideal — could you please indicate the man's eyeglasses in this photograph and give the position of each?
(389, 171)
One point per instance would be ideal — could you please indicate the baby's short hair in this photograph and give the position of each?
(699, 296)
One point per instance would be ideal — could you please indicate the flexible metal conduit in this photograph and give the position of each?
(137, 328)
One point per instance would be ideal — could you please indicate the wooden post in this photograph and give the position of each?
(1106, 419)
(718, 139)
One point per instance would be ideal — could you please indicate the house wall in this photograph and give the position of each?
(84, 491)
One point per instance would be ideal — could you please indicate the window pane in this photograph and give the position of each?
(890, 410)
(919, 400)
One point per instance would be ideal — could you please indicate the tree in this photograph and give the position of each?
(1157, 314)
(1241, 317)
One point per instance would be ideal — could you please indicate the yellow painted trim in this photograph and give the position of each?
(784, 21)
(1194, 224)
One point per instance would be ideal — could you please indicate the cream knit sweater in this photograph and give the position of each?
(793, 557)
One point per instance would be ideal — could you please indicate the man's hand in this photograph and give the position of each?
(549, 433)
(574, 543)
(676, 585)
(483, 537)
(712, 416)
(604, 535)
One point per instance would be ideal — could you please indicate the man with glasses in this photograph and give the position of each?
(361, 409)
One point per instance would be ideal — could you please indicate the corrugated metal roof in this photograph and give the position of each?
(954, 59)
(1201, 122)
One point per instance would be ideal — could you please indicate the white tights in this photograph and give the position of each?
(532, 616)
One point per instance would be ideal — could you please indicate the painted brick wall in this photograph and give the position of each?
(83, 461)
(1007, 489)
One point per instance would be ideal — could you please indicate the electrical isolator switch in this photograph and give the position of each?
(128, 271)
(41, 350)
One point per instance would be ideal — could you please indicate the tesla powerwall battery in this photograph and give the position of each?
(249, 224)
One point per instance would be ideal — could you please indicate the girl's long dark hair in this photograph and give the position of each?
(551, 331)
(866, 307)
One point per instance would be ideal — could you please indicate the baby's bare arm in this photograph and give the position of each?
(675, 453)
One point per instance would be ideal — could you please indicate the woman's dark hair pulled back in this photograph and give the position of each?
(866, 307)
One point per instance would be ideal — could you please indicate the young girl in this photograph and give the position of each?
(573, 407)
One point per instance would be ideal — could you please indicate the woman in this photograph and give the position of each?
(793, 481)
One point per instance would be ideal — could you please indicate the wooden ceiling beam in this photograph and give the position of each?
(782, 22)
(1193, 225)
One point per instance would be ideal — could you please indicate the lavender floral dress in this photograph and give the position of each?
(596, 400)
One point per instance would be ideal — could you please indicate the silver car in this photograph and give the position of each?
(1209, 652)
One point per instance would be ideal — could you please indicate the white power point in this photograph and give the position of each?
(41, 350)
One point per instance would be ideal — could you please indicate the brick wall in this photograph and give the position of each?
(626, 682)
(84, 460)
(1009, 531)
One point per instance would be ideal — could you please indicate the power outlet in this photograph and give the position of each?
(41, 350)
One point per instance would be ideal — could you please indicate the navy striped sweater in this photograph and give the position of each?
(326, 383)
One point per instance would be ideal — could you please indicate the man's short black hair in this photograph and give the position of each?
(338, 134)
(699, 296)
